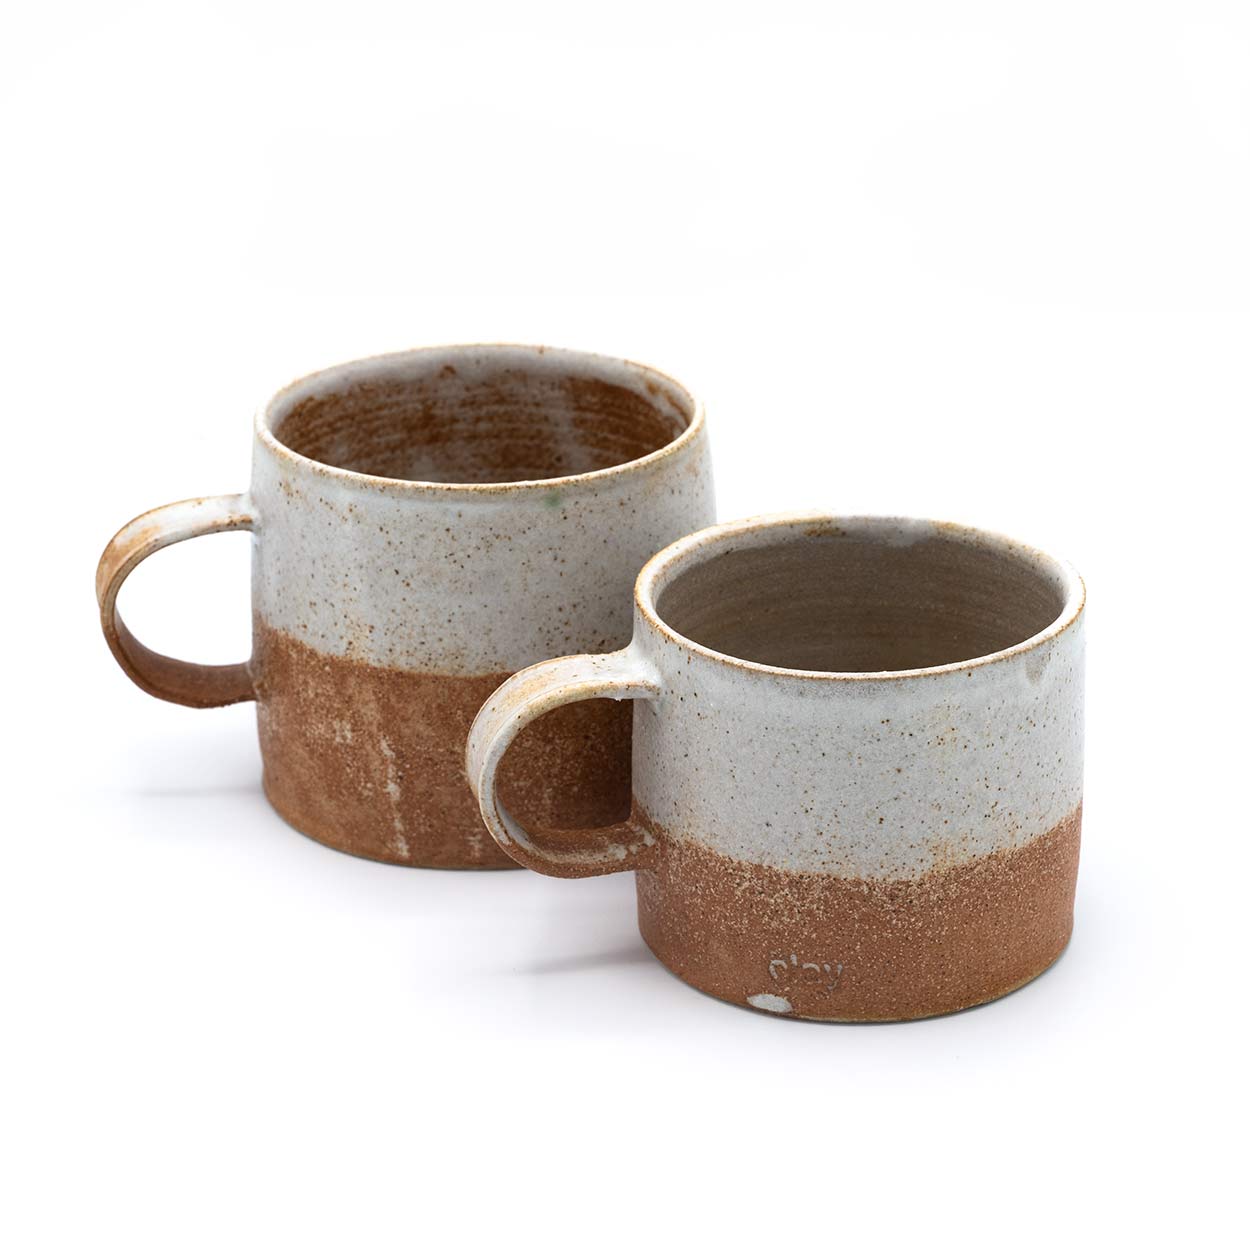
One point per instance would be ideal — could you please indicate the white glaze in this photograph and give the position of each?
(853, 775)
(473, 579)
(770, 1002)
(857, 775)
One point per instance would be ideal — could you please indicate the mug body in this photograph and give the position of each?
(861, 774)
(426, 524)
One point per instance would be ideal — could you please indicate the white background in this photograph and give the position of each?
(986, 263)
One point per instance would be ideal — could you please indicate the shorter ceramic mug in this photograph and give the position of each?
(424, 524)
(857, 763)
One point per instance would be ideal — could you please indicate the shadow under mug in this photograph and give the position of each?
(425, 524)
(857, 763)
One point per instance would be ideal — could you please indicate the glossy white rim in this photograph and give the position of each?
(691, 550)
(363, 369)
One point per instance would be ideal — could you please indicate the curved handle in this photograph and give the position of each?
(196, 685)
(523, 698)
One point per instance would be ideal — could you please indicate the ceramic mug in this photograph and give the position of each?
(425, 524)
(857, 763)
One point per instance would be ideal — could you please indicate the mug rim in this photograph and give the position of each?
(656, 574)
(368, 364)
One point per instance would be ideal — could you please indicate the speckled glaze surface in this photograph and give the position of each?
(857, 763)
(426, 524)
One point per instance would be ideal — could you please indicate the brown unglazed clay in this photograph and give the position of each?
(838, 948)
(369, 759)
(424, 525)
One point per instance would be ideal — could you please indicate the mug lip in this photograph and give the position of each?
(366, 365)
(659, 570)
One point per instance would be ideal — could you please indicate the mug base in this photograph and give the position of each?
(453, 855)
(776, 1010)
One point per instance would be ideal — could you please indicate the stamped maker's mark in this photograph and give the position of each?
(789, 973)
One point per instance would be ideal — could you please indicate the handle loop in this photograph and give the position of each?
(522, 699)
(178, 681)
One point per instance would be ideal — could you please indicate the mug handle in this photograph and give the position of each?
(522, 699)
(178, 681)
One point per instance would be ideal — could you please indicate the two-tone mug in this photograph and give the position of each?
(857, 763)
(425, 524)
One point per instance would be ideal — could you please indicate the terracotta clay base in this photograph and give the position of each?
(370, 760)
(829, 948)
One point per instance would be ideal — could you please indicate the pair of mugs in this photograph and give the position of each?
(842, 755)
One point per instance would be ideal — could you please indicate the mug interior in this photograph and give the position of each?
(861, 595)
(489, 414)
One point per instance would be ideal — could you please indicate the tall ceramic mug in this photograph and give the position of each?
(857, 763)
(425, 524)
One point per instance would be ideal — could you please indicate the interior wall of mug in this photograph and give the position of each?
(862, 595)
(488, 414)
